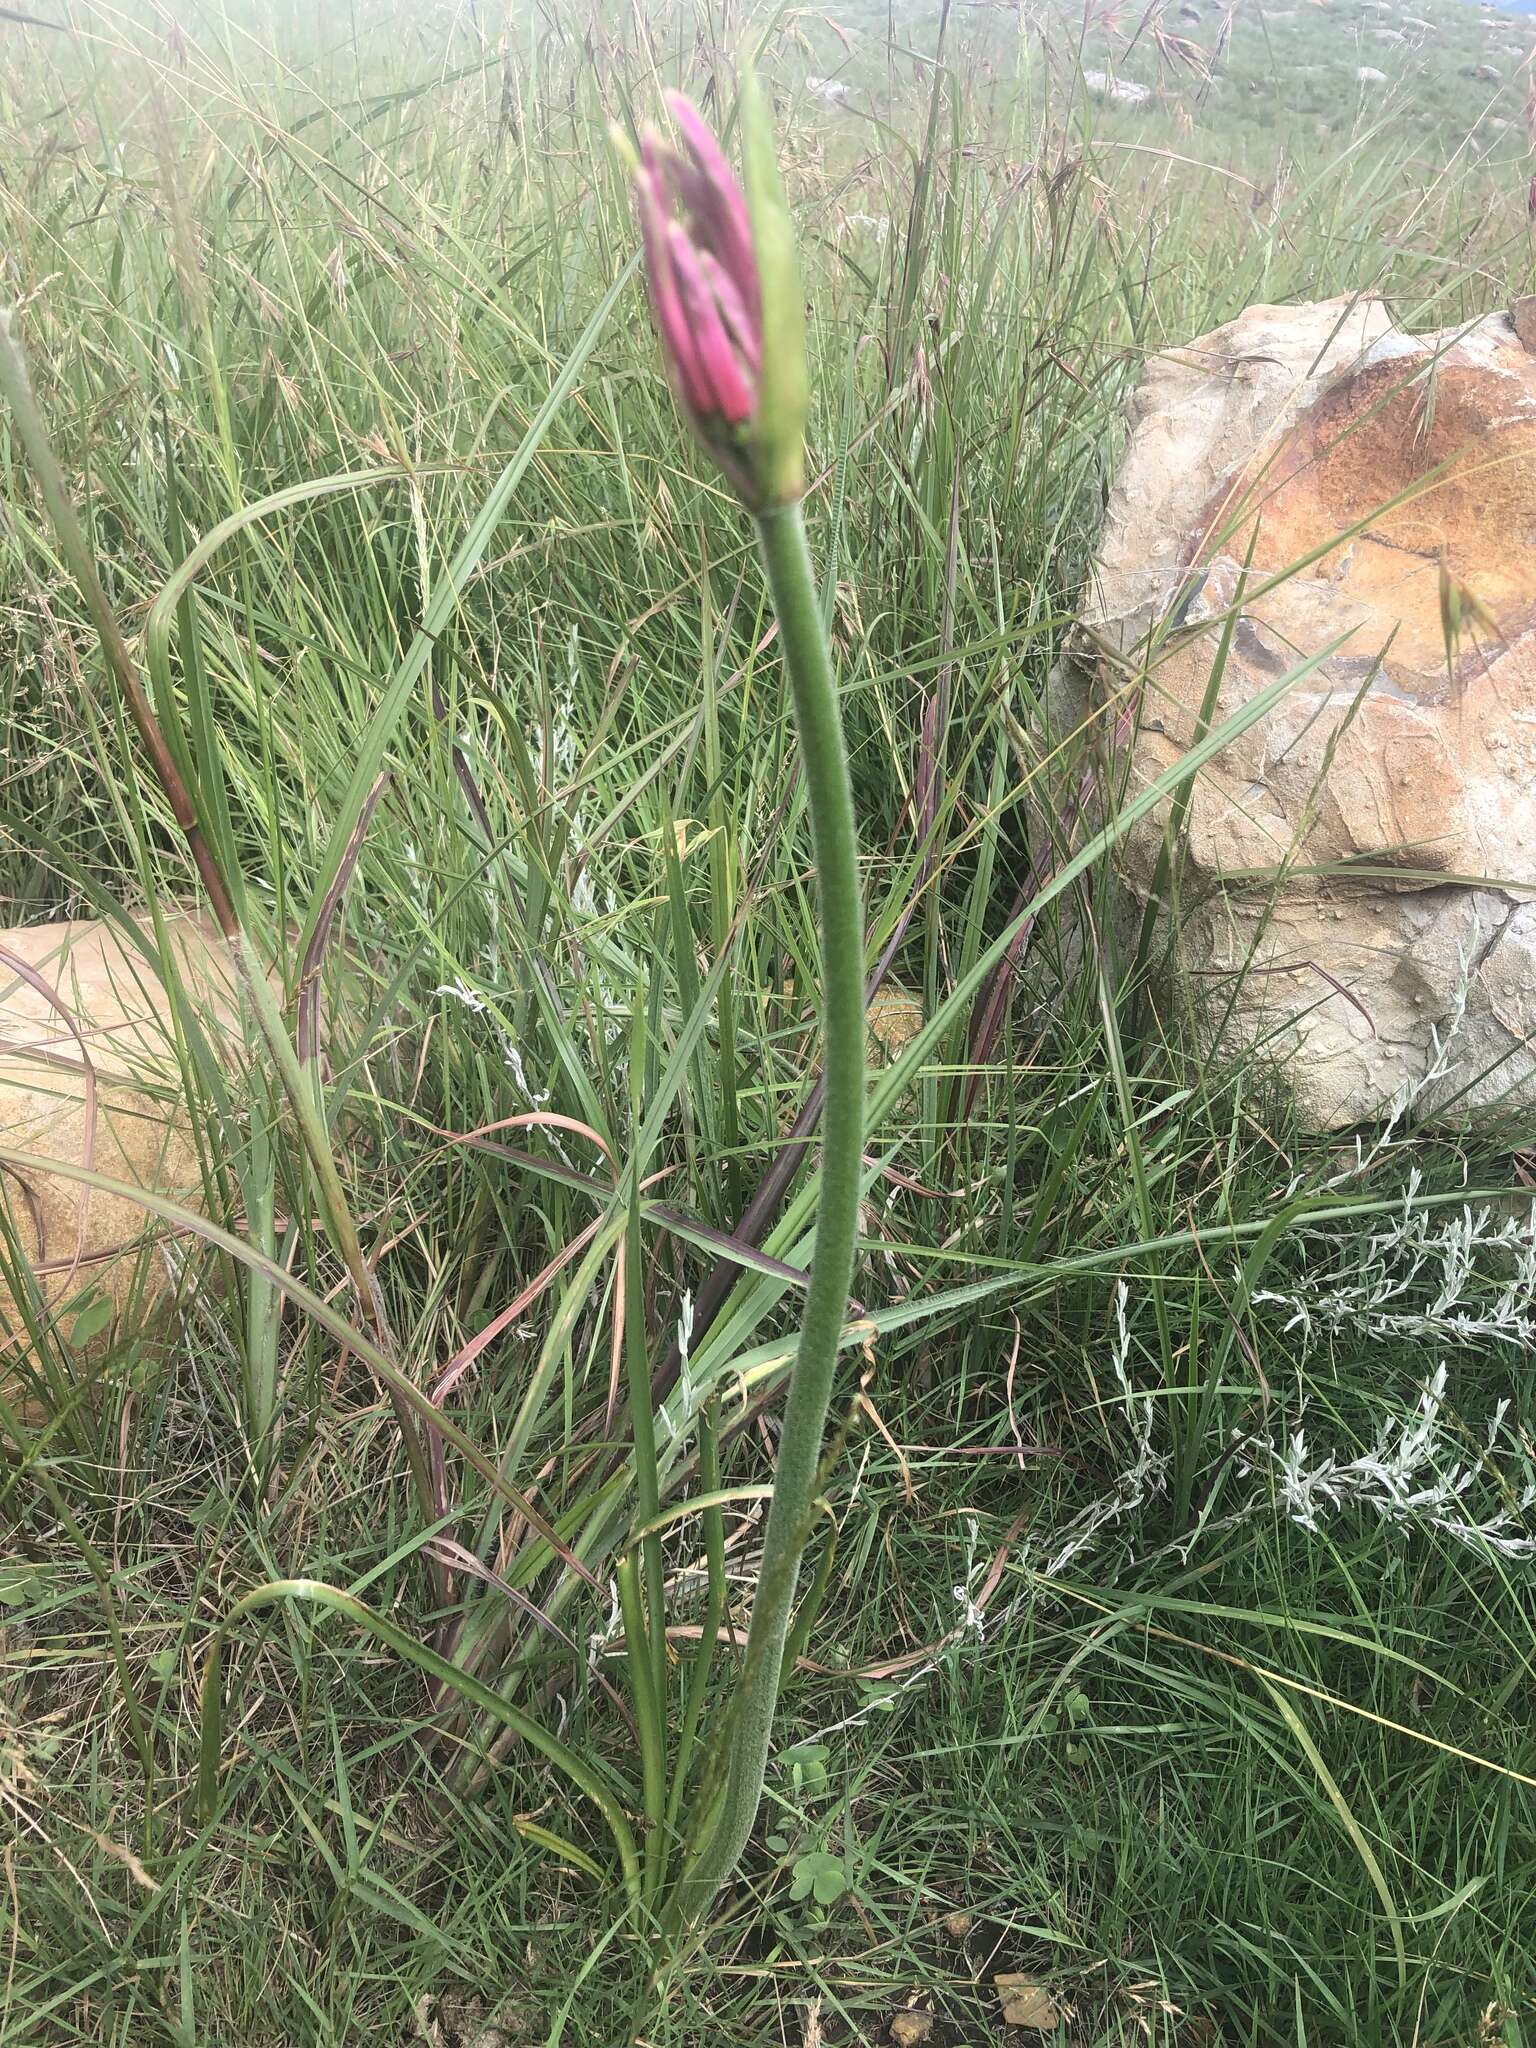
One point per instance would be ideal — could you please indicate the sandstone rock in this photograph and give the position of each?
(107, 1010)
(1323, 435)
(1026, 2003)
(911, 2029)
(1123, 92)
(894, 1018)
(835, 92)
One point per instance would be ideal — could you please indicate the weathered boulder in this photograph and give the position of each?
(1394, 477)
(82, 1011)
(1124, 92)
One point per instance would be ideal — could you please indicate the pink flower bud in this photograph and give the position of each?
(705, 290)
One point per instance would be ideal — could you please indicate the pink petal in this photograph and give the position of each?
(673, 323)
(749, 342)
(733, 397)
(715, 199)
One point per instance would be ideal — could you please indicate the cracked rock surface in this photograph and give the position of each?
(1381, 470)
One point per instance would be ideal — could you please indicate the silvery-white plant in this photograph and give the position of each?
(1466, 1278)
(1417, 1473)
(1463, 1281)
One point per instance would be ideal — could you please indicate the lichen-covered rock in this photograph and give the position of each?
(104, 1018)
(1342, 485)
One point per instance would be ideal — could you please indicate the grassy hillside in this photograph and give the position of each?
(1131, 1672)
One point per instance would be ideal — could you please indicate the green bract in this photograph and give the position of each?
(784, 390)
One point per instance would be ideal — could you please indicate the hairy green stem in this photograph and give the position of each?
(731, 1789)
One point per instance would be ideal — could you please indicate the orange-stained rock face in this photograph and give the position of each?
(1453, 437)
(1306, 480)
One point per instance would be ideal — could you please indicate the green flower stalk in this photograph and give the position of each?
(725, 292)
